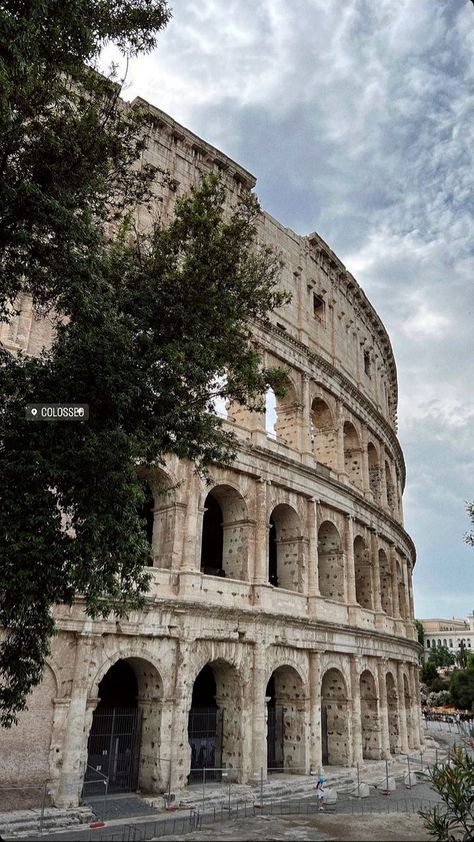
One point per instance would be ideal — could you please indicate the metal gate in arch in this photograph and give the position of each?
(113, 750)
(205, 735)
(275, 733)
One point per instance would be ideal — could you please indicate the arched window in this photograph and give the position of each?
(374, 471)
(363, 574)
(225, 534)
(390, 488)
(146, 512)
(285, 549)
(428, 644)
(270, 413)
(280, 416)
(331, 562)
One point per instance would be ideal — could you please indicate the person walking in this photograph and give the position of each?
(320, 794)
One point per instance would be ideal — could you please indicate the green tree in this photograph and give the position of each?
(156, 326)
(461, 688)
(429, 673)
(420, 632)
(441, 656)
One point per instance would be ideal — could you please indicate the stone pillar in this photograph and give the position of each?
(315, 752)
(408, 612)
(313, 563)
(306, 448)
(259, 719)
(261, 534)
(355, 711)
(76, 734)
(364, 456)
(393, 567)
(350, 567)
(174, 741)
(374, 551)
(340, 441)
(415, 707)
(383, 479)
(401, 710)
(192, 525)
(383, 710)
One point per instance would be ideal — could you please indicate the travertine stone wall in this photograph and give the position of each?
(319, 503)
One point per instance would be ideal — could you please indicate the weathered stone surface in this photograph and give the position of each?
(308, 628)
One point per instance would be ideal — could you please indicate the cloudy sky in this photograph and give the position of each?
(357, 119)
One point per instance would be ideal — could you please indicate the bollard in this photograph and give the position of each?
(358, 781)
(386, 774)
(203, 787)
(43, 804)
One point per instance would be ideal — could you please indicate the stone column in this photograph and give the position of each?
(313, 563)
(259, 719)
(192, 525)
(393, 567)
(408, 614)
(315, 754)
(383, 710)
(261, 534)
(402, 711)
(364, 457)
(174, 742)
(415, 707)
(76, 735)
(383, 480)
(350, 567)
(340, 441)
(306, 448)
(355, 711)
(374, 548)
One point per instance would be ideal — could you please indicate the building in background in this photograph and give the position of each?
(279, 628)
(453, 634)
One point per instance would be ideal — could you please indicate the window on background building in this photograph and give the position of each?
(428, 643)
(318, 307)
(450, 643)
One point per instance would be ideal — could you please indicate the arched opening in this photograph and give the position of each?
(390, 488)
(386, 595)
(335, 720)
(146, 511)
(374, 471)
(363, 574)
(402, 605)
(225, 534)
(285, 721)
(158, 513)
(352, 455)
(124, 739)
(392, 708)
(285, 560)
(331, 562)
(324, 434)
(369, 717)
(280, 416)
(214, 724)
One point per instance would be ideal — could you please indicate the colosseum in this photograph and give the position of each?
(278, 632)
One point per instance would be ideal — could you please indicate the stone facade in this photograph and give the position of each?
(282, 592)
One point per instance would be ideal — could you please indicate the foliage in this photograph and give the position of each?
(454, 819)
(461, 688)
(428, 673)
(153, 323)
(441, 656)
(420, 632)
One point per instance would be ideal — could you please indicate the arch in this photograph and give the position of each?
(352, 455)
(124, 738)
(281, 420)
(324, 434)
(335, 732)
(330, 562)
(386, 590)
(363, 574)
(285, 548)
(374, 471)
(286, 727)
(392, 710)
(225, 534)
(369, 714)
(215, 720)
(18, 761)
(159, 515)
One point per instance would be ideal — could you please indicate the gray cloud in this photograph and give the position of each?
(357, 119)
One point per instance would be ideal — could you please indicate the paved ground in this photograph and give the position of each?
(320, 827)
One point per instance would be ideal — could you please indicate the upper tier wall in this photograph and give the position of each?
(328, 313)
